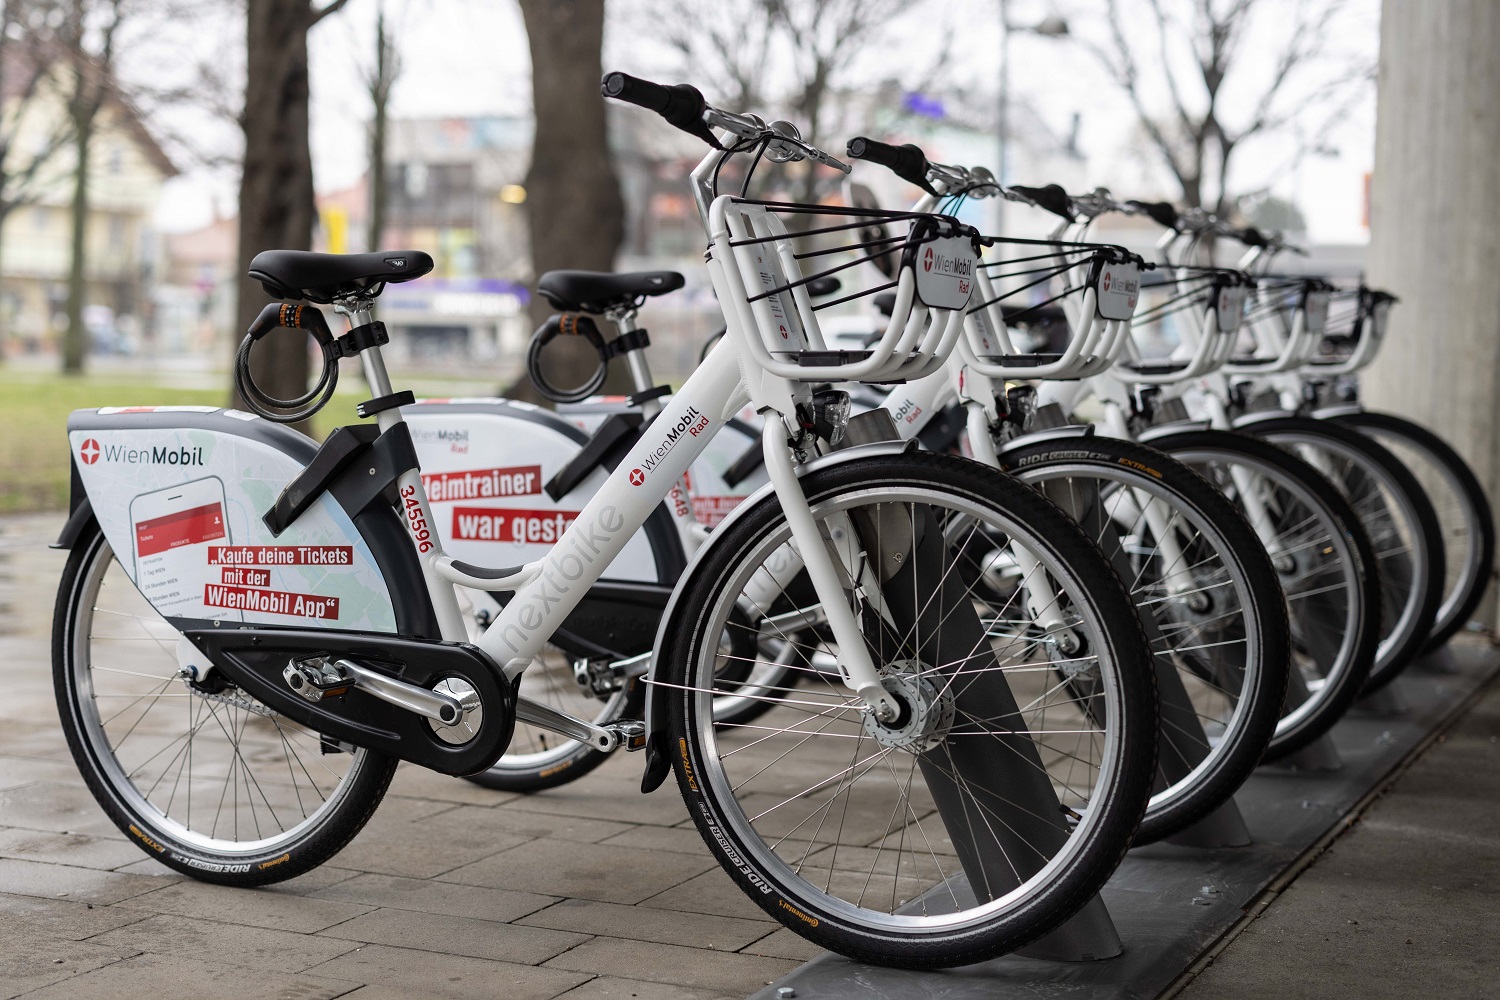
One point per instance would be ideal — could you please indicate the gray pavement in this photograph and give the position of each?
(594, 891)
(589, 892)
(1406, 904)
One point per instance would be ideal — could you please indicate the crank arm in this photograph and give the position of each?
(628, 733)
(317, 677)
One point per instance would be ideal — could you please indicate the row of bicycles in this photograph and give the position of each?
(926, 650)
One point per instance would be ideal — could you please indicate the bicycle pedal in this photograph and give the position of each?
(630, 733)
(317, 677)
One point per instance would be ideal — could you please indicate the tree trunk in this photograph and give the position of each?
(276, 188)
(1435, 232)
(76, 338)
(573, 204)
(380, 92)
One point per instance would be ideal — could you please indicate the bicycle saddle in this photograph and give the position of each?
(322, 277)
(601, 291)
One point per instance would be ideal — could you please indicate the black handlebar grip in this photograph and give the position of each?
(1163, 213)
(907, 162)
(681, 105)
(1250, 236)
(1052, 198)
(633, 90)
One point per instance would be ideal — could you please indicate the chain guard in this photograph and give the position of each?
(253, 660)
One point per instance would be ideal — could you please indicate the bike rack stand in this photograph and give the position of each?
(1000, 832)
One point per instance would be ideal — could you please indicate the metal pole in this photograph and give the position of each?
(1000, 171)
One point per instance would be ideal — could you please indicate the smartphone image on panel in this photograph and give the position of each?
(173, 529)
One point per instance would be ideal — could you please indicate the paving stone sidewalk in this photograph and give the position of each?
(588, 892)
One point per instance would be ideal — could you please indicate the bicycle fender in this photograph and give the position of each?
(658, 754)
(1259, 417)
(179, 492)
(1338, 410)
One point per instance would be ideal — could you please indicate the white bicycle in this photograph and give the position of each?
(251, 631)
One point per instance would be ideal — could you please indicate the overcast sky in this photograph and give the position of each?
(470, 57)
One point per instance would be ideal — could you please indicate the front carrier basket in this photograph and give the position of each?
(765, 254)
(1094, 288)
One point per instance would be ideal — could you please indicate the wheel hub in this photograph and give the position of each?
(927, 710)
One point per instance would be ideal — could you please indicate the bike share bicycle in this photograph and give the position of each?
(1284, 328)
(1326, 387)
(243, 649)
(1207, 594)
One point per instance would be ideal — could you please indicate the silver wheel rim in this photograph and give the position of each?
(1150, 599)
(1302, 535)
(720, 742)
(256, 797)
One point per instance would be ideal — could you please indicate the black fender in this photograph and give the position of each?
(1167, 430)
(658, 754)
(1067, 432)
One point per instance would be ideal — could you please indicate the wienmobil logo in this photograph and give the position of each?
(91, 451)
(942, 263)
(692, 422)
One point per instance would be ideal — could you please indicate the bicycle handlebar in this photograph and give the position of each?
(682, 106)
(907, 162)
(1051, 198)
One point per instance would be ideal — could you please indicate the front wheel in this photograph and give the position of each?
(197, 773)
(1004, 795)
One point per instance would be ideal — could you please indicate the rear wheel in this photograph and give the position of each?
(1005, 794)
(200, 775)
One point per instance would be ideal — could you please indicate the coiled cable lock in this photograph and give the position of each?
(286, 315)
(578, 325)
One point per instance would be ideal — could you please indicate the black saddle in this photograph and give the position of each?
(601, 291)
(323, 277)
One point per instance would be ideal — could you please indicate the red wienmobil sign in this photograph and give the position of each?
(185, 527)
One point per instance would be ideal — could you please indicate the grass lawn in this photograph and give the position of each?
(34, 410)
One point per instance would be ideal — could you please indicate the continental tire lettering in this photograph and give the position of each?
(751, 875)
(274, 862)
(687, 768)
(210, 866)
(788, 907)
(147, 840)
(555, 770)
(1137, 465)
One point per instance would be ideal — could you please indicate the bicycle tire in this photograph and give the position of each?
(1109, 630)
(1469, 531)
(155, 818)
(1243, 728)
(1400, 521)
(1355, 626)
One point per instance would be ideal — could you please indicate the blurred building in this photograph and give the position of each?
(126, 171)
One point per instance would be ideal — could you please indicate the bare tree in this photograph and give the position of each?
(573, 205)
(28, 141)
(1191, 52)
(277, 210)
(738, 50)
(380, 78)
(86, 44)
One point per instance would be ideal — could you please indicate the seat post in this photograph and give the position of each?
(371, 360)
(640, 370)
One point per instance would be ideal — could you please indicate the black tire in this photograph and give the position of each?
(1464, 515)
(160, 823)
(1113, 672)
(1398, 518)
(1238, 682)
(1355, 625)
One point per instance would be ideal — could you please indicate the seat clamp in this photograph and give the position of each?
(370, 407)
(360, 338)
(655, 392)
(627, 342)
